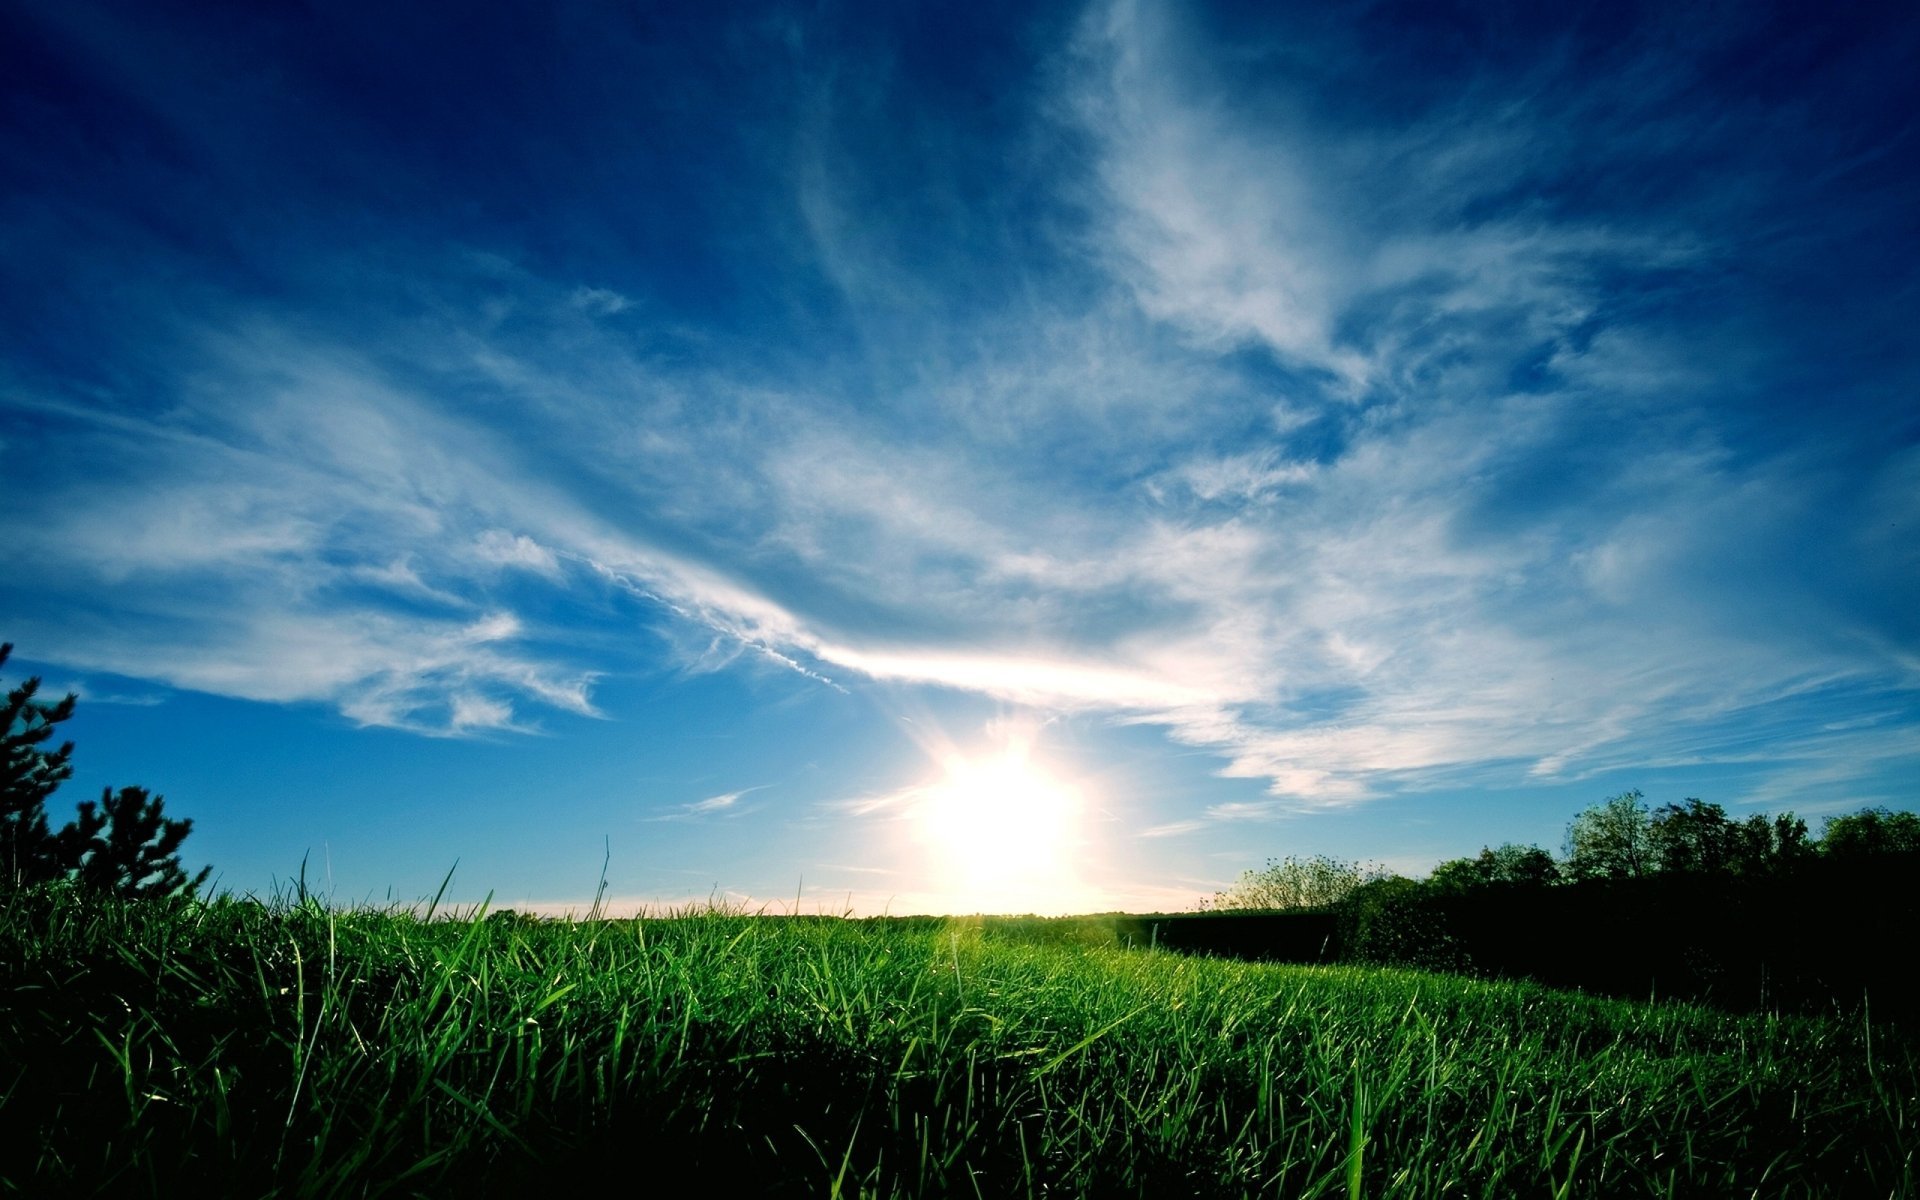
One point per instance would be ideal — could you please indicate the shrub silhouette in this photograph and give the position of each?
(1294, 882)
(1395, 921)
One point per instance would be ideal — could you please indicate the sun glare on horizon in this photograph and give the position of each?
(1003, 833)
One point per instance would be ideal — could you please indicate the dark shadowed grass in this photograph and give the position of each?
(235, 1048)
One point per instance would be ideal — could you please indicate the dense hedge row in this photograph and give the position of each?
(1832, 935)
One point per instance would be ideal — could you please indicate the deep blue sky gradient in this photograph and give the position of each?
(1372, 429)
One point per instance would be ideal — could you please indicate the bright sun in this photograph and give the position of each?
(1003, 832)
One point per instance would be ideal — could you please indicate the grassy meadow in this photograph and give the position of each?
(233, 1048)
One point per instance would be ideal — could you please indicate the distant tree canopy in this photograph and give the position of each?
(1619, 838)
(1698, 838)
(1871, 831)
(1509, 864)
(124, 844)
(1611, 840)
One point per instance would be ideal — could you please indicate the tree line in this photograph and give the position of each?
(1620, 838)
(124, 844)
(1679, 901)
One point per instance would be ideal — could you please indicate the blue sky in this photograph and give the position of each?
(703, 440)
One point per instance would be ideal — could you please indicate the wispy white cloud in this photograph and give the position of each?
(727, 803)
(601, 302)
(1354, 578)
(517, 550)
(1253, 477)
(1223, 236)
(1021, 678)
(253, 538)
(1371, 256)
(89, 694)
(1172, 829)
(715, 803)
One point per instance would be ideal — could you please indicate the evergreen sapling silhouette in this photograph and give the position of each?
(29, 852)
(125, 844)
(128, 847)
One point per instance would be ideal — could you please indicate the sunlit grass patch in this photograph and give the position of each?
(246, 1049)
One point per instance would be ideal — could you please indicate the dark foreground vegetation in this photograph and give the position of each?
(232, 1048)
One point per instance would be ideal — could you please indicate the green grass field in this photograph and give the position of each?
(240, 1049)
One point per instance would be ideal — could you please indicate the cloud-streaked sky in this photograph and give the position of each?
(538, 435)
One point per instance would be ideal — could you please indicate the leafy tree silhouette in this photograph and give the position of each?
(1611, 840)
(1698, 838)
(125, 844)
(1695, 838)
(1869, 832)
(1511, 864)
